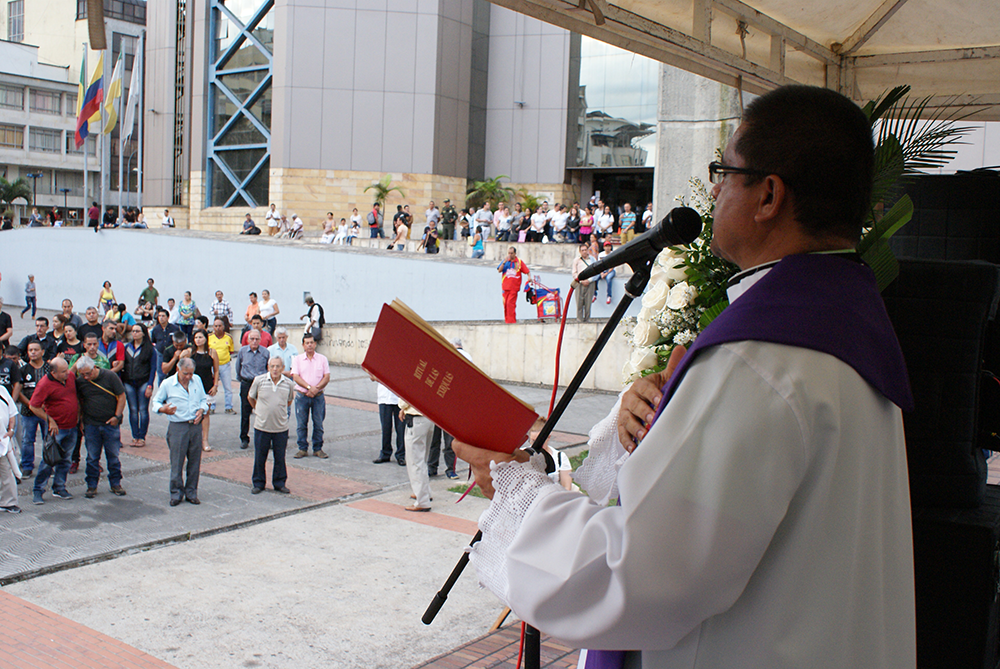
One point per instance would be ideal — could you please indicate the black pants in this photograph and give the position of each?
(389, 417)
(434, 452)
(245, 411)
(263, 443)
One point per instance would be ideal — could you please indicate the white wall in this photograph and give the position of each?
(351, 285)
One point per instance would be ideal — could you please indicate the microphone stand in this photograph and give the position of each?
(633, 289)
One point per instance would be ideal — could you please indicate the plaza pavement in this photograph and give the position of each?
(334, 575)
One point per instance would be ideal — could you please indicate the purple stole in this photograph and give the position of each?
(823, 302)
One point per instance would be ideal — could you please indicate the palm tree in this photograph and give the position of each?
(12, 190)
(382, 188)
(908, 140)
(490, 190)
(528, 200)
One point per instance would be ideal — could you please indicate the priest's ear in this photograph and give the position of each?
(774, 199)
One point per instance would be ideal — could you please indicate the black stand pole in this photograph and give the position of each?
(633, 289)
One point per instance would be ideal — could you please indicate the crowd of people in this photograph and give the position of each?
(72, 380)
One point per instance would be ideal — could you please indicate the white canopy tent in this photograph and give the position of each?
(948, 49)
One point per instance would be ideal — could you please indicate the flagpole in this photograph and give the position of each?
(121, 135)
(142, 100)
(104, 146)
(86, 80)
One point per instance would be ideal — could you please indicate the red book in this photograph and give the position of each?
(414, 361)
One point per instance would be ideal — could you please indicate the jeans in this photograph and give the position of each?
(262, 443)
(65, 440)
(303, 406)
(158, 360)
(434, 452)
(225, 380)
(29, 303)
(109, 439)
(388, 414)
(138, 410)
(608, 279)
(30, 424)
(478, 253)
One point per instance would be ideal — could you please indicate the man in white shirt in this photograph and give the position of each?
(273, 220)
(559, 218)
(433, 215)
(647, 219)
(764, 516)
(168, 221)
(483, 217)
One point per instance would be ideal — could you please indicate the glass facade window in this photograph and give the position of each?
(45, 139)
(11, 97)
(46, 102)
(12, 136)
(618, 92)
(15, 21)
(71, 104)
(89, 143)
(133, 11)
(239, 140)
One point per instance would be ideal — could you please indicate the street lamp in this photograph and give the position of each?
(64, 191)
(34, 176)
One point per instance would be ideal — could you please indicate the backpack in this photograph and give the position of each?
(322, 317)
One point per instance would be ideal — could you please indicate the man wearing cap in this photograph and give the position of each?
(183, 400)
(607, 275)
(449, 215)
(764, 508)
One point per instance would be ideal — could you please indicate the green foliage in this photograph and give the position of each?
(475, 492)
(382, 188)
(12, 190)
(528, 200)
(490, 190)
(909, 138)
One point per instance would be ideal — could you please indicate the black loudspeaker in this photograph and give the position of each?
(956, 559)
(955, 217)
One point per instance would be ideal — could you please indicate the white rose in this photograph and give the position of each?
(644, 358)
(646, 333)
(677, 298)
(655, 297)
(629, 373)
(672, 265)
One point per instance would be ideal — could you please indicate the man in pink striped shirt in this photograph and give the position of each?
(311, 373)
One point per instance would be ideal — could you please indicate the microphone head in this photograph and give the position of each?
(680, 227)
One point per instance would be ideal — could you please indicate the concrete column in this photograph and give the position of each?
(695, 117)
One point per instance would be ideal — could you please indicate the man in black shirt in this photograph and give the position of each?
(93, 324)
(10, 371)
(31, 373)
(102, 405)
(44, 339)
(173, 353)
(6, 327)
(161, 336)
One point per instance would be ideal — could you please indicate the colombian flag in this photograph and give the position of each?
(89, 99)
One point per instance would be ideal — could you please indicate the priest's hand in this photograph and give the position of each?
(640, 401)
(479, 460)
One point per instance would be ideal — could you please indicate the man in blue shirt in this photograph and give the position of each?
(182, 398)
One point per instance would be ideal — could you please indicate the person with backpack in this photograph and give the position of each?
(315, 319)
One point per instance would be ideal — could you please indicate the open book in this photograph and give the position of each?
(414, 361)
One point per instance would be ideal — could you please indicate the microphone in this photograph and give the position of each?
(678, 228)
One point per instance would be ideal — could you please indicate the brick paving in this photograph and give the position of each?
(430, 518)
(34, 638)
(306, 483)
(498, 650)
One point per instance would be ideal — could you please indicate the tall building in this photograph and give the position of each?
(305, 103)
(39, 75)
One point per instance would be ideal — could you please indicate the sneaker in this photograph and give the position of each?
(301, 454)
(62, 494)
(231, 411)
(37, 499)
(401, 462)
(609, 300)
(245, 445)
(26, 474)
(451, 475)
(118, 490)
(320, 454)
(74, 468)
(432, 474)
(11, 509)
(91, 493)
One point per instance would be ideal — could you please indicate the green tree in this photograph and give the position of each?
(382, 188)
(12, 190)
(490, 190)
(528, 200)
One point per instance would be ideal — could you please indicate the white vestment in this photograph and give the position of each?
(764, 522)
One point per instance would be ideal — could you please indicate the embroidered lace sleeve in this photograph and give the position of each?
(598, 474)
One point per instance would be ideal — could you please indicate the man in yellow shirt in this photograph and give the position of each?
(220, 342)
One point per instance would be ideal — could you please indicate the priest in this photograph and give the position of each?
(763, 515)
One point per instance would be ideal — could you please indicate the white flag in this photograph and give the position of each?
(134, 91)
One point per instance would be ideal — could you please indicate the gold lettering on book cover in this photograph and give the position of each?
(445, 384)
(432, 377)
(419, 373)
